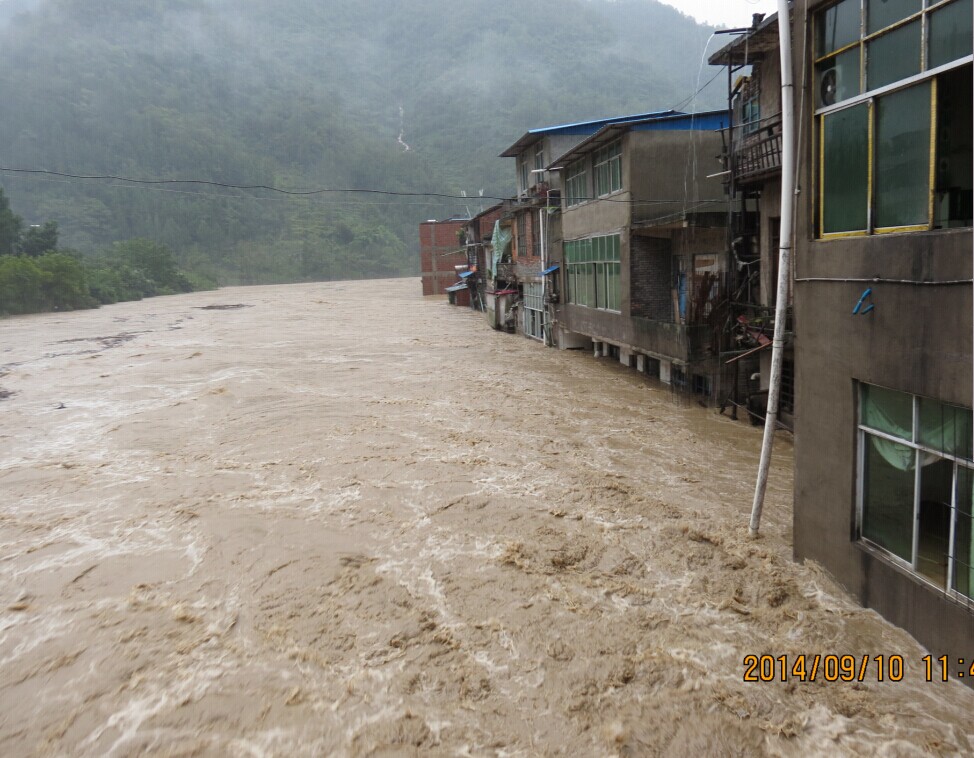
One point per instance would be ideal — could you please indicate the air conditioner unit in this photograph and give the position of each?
(830, 87)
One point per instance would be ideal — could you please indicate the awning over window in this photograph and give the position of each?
(457, 287)
(465, 274)
(550, 269)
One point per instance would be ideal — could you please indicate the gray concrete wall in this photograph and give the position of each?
(682, 344)
(770, 207)
(671, 166)
(918, 339)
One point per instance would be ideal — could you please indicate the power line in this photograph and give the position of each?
(207, 182)
(312, 192)
(252, 198)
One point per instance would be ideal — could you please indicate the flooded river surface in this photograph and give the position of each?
(342, 519)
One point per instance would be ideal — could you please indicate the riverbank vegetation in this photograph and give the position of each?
(36, 275)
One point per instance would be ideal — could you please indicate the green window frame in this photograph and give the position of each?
(592, 271)
(916, 485)
(576, 184)
(880, 64)
(608, 169)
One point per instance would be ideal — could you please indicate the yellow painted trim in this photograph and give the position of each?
(841, 235)
(870, 160)
(900, 229)
(892, 27)
(821, 175)
(838, 52)
(933, 150)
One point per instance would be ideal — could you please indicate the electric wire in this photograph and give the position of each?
(310, 192)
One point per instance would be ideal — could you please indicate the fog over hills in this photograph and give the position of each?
(308, 94)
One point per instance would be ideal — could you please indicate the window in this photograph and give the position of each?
(916, 476)
(576, 184)
(522, 235)
(524, 178)
(592, 270)
(608, 169)
(891, 98)
(751, 114)
(751, 104)
(533, 310)
(538, 161)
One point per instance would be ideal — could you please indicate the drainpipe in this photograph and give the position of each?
(784, 255)
(544, 279)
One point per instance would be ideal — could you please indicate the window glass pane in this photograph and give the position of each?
(837, 26)
(902, 157)
(936, 497)
(887, 411)
(950, 33)
(893, 56)
(882, 13)
(963, 543)
(945, 427)
(846, 164)
(887, 498)
(954, 183)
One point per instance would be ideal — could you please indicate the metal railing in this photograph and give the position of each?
(756, 148)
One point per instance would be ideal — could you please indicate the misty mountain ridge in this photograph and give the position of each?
(308, 93)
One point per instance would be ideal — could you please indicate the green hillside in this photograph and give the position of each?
(306, 94)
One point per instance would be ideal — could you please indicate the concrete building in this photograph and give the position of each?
(476, 242)
(440, 252)
(884, 471)
(644, 262)
(752, 161)
(534, 223)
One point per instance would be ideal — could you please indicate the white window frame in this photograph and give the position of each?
(534, 311)
(862, 434)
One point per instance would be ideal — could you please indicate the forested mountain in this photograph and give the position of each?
(307, 94)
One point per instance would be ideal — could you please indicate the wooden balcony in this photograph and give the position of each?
(756, 150)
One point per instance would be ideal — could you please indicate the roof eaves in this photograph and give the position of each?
(725, 56)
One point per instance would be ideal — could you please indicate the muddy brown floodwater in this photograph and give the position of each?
(341, 519)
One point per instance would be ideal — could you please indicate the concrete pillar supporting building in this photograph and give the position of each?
(665, 367)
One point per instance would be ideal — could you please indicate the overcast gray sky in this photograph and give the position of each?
(728, 12)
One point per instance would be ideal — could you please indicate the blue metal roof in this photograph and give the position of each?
(708, 121)
(590, 127)
(579, 128)
(550, 269)
(457, 287)
(465, 274)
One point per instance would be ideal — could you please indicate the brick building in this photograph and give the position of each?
(440, 252)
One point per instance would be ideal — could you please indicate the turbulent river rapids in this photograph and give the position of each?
(342, 519)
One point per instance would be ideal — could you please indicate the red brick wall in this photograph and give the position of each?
(438, 246)
(525, 247)
(487, 223)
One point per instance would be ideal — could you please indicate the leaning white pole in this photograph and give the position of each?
(784, 256)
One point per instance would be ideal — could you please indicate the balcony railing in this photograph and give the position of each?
(756, 149)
